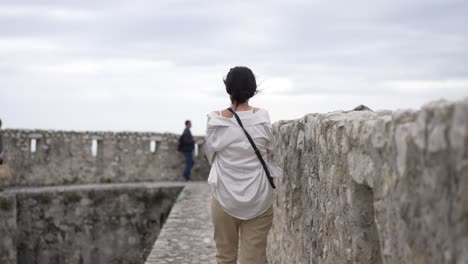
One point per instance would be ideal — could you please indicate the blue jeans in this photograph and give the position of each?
(188, 164)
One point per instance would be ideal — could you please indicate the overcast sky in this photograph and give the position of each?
(150, 65)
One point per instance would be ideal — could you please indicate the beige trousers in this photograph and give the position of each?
(253, 236)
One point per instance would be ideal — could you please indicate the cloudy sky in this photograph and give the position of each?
(150, 65)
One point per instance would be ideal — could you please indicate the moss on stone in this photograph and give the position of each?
(42, 198)
(71, 198)
(151, 198)
(6, 204)
(106, 180)
(71, 181)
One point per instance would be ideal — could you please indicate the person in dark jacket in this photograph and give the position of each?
(187, 148)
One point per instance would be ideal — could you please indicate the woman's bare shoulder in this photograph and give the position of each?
(259, 109)
(221, 113)
(226, 113)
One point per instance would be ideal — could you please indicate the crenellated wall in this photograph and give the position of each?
(42, 157)
(373, 187)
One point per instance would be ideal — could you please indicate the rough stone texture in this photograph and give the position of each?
(88, 224)
(65, 157)
(187, 236)
(373, 187)
(4, 173)
(7, 228)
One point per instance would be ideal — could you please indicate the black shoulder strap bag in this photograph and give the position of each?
(259, 155)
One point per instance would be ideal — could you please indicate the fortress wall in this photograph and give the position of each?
(7, 228)
(65, 157)
(83, 225)
(373, 187)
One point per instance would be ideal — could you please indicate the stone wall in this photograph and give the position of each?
(64, 157)
(7, 228)
(84, 225)
(373, 187)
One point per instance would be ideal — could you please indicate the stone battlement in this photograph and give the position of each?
(373, 187)
(45, 157)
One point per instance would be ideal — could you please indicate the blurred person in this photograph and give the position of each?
(186, 146)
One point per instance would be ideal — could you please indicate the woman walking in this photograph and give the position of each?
(242, 193)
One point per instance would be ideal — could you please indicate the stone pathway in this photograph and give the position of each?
(187, 235)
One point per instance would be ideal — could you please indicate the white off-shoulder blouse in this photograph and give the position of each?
(237, 177)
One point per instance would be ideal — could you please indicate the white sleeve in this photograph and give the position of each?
(217, 138)
(209, 146)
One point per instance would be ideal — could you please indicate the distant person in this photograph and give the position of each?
(186, 146)
(242, 192)
(1, 144)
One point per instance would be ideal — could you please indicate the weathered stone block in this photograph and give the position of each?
(373, 187)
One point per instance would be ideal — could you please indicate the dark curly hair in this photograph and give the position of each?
(240, 84)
